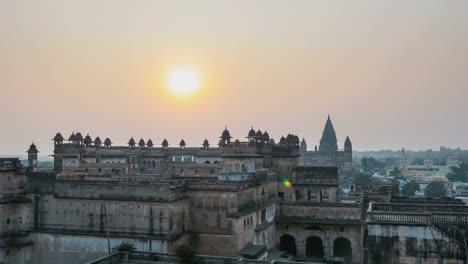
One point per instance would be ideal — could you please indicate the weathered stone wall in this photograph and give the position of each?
(214, 244)
(158, 191)
(411, 244)
(283, 166)
(11, 182)
(85, 216)
(17, 255)
(77, 249)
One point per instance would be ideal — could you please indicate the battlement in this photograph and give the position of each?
(316, 174)
(10, 164)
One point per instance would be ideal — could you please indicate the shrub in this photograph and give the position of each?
(185, 254)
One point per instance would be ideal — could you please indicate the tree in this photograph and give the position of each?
(459, 173)
(410, 188)
(371, 165)
(125, 247)
(417, 161)
(396, 172)
(361, 178)
(436, 189)
(185, 254)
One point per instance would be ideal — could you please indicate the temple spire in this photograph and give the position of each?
(328, 141)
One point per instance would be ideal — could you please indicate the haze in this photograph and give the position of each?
(391, 74)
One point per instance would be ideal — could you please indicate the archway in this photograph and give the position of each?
(342, 248)
(288, 244)
(314, 247)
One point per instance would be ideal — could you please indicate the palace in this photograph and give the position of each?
(251, 199)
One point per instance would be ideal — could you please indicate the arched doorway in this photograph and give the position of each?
(314, 247)
(342, 248)
(288, 244)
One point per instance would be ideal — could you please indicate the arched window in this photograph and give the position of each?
(181, 172)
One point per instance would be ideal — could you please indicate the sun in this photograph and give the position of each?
(184, 81)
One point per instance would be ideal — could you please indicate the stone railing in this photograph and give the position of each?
(150, 257)
(158, 183)
(416, 218)
(79, 229)
(420, 208)
(392, 217)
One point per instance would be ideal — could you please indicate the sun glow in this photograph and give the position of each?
(184, 81)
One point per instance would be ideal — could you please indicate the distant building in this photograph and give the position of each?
(327, 154)
(427, 171)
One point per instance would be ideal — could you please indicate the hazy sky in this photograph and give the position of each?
(391, 74)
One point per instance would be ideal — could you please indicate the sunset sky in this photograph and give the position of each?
(391, 74)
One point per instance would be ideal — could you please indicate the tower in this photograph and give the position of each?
(347, 167)
(328, 143)
(225, 137)
(348, 147)
(303, 147)
(32, 156)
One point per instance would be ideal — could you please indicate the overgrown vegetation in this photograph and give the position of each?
(125, 246)
(436, 189)
(362, 178)
(409, 189)
(459, 174)
(185, 254)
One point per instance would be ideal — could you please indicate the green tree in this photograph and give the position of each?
(396, 172)
(459, 174)
(417, 161)
(410, 188)
(125, 246)
(362, 178)
(436, 189)
(371, 165)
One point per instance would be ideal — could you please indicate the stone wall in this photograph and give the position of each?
(76, 249)
(411, 244)
(129, 218)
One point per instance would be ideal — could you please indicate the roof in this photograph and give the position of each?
(251, 251)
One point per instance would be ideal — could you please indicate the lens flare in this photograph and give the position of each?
(287, 183)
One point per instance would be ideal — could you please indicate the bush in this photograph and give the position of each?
(126, 247)
(185, 254)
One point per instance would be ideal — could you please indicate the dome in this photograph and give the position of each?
(272, 141)
(72, 137)
(131, 142)
(33, 146)
(226, 134)
(149, 143)
(251, 132)
(78, 136)
(205, 142)
(141, 143)
(182, 143)
(165, 143)
(282, 140)
(266, 135)
(87, 140)
(58, 137)
(259, 133)
(107, 142)
(237, 143)
(97, 141)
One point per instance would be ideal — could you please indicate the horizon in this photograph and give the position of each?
(391, 75)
